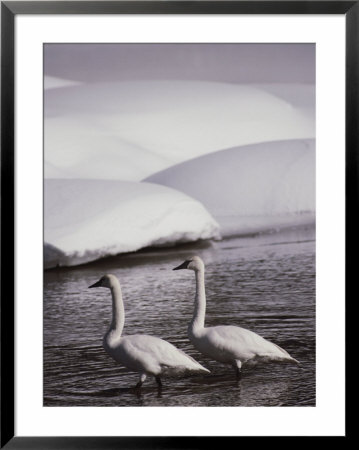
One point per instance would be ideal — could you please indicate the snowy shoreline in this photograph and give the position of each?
(88, 219)
(269, 236)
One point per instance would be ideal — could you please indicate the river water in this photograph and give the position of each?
(265, 283)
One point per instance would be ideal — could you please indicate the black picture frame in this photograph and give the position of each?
(9, 10)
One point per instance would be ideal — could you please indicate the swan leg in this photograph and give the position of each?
(238, 367)
(141, 380)
(158, 381)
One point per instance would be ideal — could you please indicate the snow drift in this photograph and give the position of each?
(55, 82)
(89, 219)
(130, 130)
(251, 188)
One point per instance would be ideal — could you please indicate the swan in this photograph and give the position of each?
(226, 343)
(147, 355)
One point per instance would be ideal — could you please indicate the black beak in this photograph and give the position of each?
(97, 284)
(182, 266)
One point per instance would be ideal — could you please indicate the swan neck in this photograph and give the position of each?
(118, 310)
(199, 303)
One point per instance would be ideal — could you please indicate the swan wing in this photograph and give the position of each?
(157, 356)
(239, 343)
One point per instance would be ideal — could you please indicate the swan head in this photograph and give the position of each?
(107, 281)
(192, 263)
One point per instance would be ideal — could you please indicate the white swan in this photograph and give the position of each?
(147, 355)
(226, 344)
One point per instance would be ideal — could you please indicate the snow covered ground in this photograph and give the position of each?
(89, 219)
(130, 130)
(219, 158)
(251, 188)
(55, 82)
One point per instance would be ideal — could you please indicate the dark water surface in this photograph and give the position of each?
(264, 283)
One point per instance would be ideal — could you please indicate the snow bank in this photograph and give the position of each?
(55, 82)
(129, 130)
(89, 219)
(251, 188)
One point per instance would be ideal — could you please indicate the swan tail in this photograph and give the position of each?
(199, 367)
(171, 371)
(286, 355)
(203, 369)
(290, 360)
(196, 366)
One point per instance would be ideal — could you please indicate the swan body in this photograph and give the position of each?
(226, 343)
(147, 355)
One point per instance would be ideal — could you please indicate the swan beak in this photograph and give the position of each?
(97, 284)
(182, 266)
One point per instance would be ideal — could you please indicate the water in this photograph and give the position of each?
(264, 283)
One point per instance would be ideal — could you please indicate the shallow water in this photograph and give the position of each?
(264, 283)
